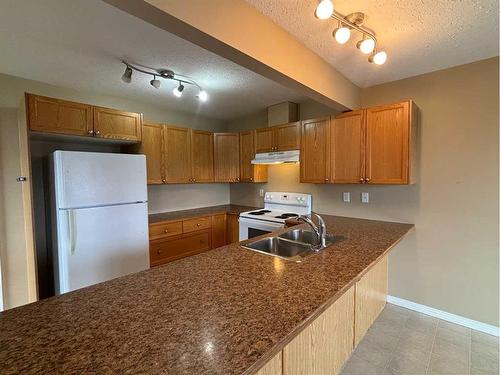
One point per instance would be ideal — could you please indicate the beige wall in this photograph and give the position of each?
(450, 262)
(12, 237)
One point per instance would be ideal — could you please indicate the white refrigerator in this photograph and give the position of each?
(100, 217)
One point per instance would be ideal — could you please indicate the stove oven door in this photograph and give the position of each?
(252, 228)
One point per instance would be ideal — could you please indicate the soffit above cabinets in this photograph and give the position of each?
(419, 36)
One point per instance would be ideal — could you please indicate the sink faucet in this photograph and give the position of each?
(319, 230)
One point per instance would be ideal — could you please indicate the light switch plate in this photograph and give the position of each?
(346, 196)
(365, 198)
(261, 192)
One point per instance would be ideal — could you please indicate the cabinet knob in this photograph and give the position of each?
(327, 179)
(198, 225)
(158, 252)
(97, 132)
(194, 179)
(237, 179)
(166, 230)
(361, 179)
(251, 178)
(164, 181)
(367, 179)
(90, 132)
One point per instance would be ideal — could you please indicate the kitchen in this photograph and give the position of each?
(209, 168)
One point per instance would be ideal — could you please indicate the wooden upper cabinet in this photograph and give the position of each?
(152, 147)
(248, 171)
(115, 124)
(314, 151)
(226, 157)
(177, 154)
(264, 140)
(58, 116)
(348, 147)
(287, 137)
(388, 134)
(202, 156)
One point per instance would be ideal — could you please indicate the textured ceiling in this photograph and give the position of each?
(419, 35)
(79, 44)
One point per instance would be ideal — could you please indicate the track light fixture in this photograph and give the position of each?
(178, 90)
(127, 75)
(353, 21)
(156, 83)
(166, 74)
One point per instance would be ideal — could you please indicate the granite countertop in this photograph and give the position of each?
(204, 211)
(225, 311)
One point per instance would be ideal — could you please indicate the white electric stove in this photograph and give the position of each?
(278, 207)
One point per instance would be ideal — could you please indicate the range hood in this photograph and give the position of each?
(277, 157)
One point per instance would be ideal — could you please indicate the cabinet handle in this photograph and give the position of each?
(327, 179)
(251, 178)
(194, 179)
(238, 179)
(198, 225)
(367, 179)
(158, 252)
(166, 230)
(97, 132)
(361, 180)
(164, 181)
(90, 132)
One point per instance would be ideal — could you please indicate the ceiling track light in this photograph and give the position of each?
(166, 74)
(354, 21)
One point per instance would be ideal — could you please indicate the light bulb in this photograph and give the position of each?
(127, 75)
(178, 91)
(324, 9)
(203, 96)
(366, 45)
(342, 34)
(378, 58)
(155, 83)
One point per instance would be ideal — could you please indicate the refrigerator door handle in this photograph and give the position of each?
(71, 231)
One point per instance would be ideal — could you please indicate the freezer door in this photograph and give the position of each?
(99, 244)
(89, 179)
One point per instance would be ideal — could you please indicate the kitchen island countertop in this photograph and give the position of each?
(225, 311)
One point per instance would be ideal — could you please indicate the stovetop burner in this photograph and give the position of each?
(261, 212)
(286, 215)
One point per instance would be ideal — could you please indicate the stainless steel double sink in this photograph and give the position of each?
(294, 245)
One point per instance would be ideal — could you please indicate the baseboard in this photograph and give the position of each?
(452, 318)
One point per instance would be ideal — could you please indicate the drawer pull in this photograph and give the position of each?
(158, 252)
(166, 230)
(198, 225)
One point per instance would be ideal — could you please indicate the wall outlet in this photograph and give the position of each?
(261, 192)
(365, 198)
(346, 196)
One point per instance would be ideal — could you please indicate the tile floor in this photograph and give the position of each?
(404, 342)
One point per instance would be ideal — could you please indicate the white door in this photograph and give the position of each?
(89, 179)
(101, 243)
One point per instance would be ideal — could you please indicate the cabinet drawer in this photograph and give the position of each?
(198, 223)
(167, 250)
(161, 230)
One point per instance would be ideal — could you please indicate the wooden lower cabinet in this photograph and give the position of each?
(233, 228)
(327, 343)
(218, 230)
(169, 249)
(371, 296)
(324, 346)
(273, 367)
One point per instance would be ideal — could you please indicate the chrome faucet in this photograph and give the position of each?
(319, 230)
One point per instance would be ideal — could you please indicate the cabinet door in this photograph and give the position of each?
(323, 346)
(248, 171)
(218, 230)
(202, 154)
(233, 228)
(348, 148)
(264, 140)
(177, 155)
(287, 137)
(58, 116)
(115, 124)
(226, 157)
(167, 250)
(314, 151)
(152, 147)
(387, 144)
